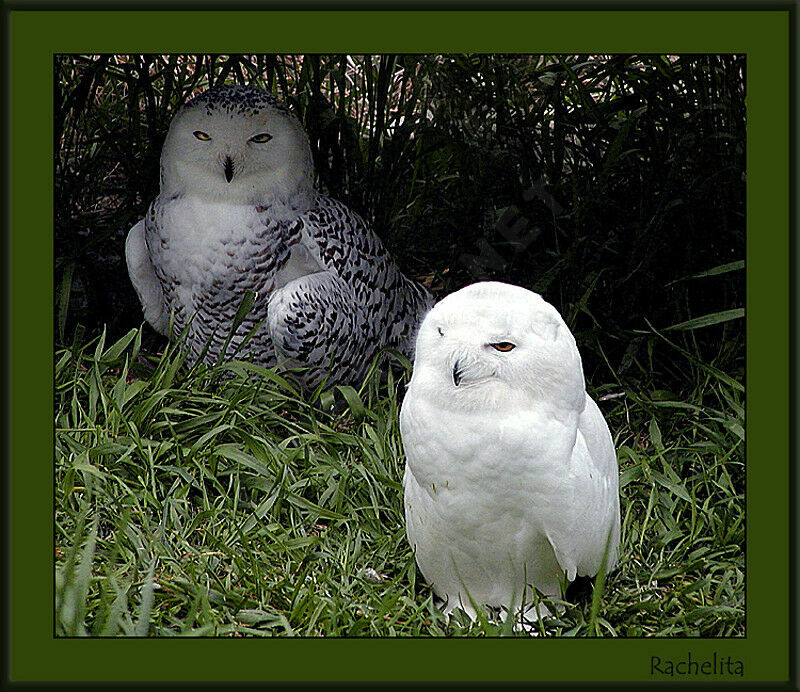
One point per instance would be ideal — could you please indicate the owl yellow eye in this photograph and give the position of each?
(202, 136)
(503, 346)
(261, 138)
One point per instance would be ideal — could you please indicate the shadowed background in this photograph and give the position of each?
(602, 182)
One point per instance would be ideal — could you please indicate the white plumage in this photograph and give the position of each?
(237, 211)
(511, 478)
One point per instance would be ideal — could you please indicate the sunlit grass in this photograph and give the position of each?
(223, 502)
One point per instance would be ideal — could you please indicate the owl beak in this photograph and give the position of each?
(457, 374)
(228, 168)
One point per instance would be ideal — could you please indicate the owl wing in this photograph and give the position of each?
(316, 324)
(588, 527)
(144, 279)
(347, 302)
(344, 246)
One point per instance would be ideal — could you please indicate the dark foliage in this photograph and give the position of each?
(602, 182)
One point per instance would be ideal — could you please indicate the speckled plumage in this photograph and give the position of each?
(328, 295)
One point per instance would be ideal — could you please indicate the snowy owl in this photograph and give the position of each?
(511, 478)
(237, 211)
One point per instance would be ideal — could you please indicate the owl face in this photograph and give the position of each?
(237, 145)
(493, 345)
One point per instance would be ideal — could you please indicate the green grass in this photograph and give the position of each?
(222, 502)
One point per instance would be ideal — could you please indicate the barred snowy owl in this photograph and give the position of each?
(511, 478)
(236, 211)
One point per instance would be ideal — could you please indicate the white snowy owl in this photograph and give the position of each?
(237, 211)
(511, 478)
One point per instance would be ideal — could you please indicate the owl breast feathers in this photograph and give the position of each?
(237, 212)
(511, 480)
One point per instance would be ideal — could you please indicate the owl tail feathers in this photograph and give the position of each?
(144, 279)
(567, 562)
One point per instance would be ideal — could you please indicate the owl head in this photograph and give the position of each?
(237, 144)
(496, 346)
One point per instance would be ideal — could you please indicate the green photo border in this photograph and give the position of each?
(36, 35)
